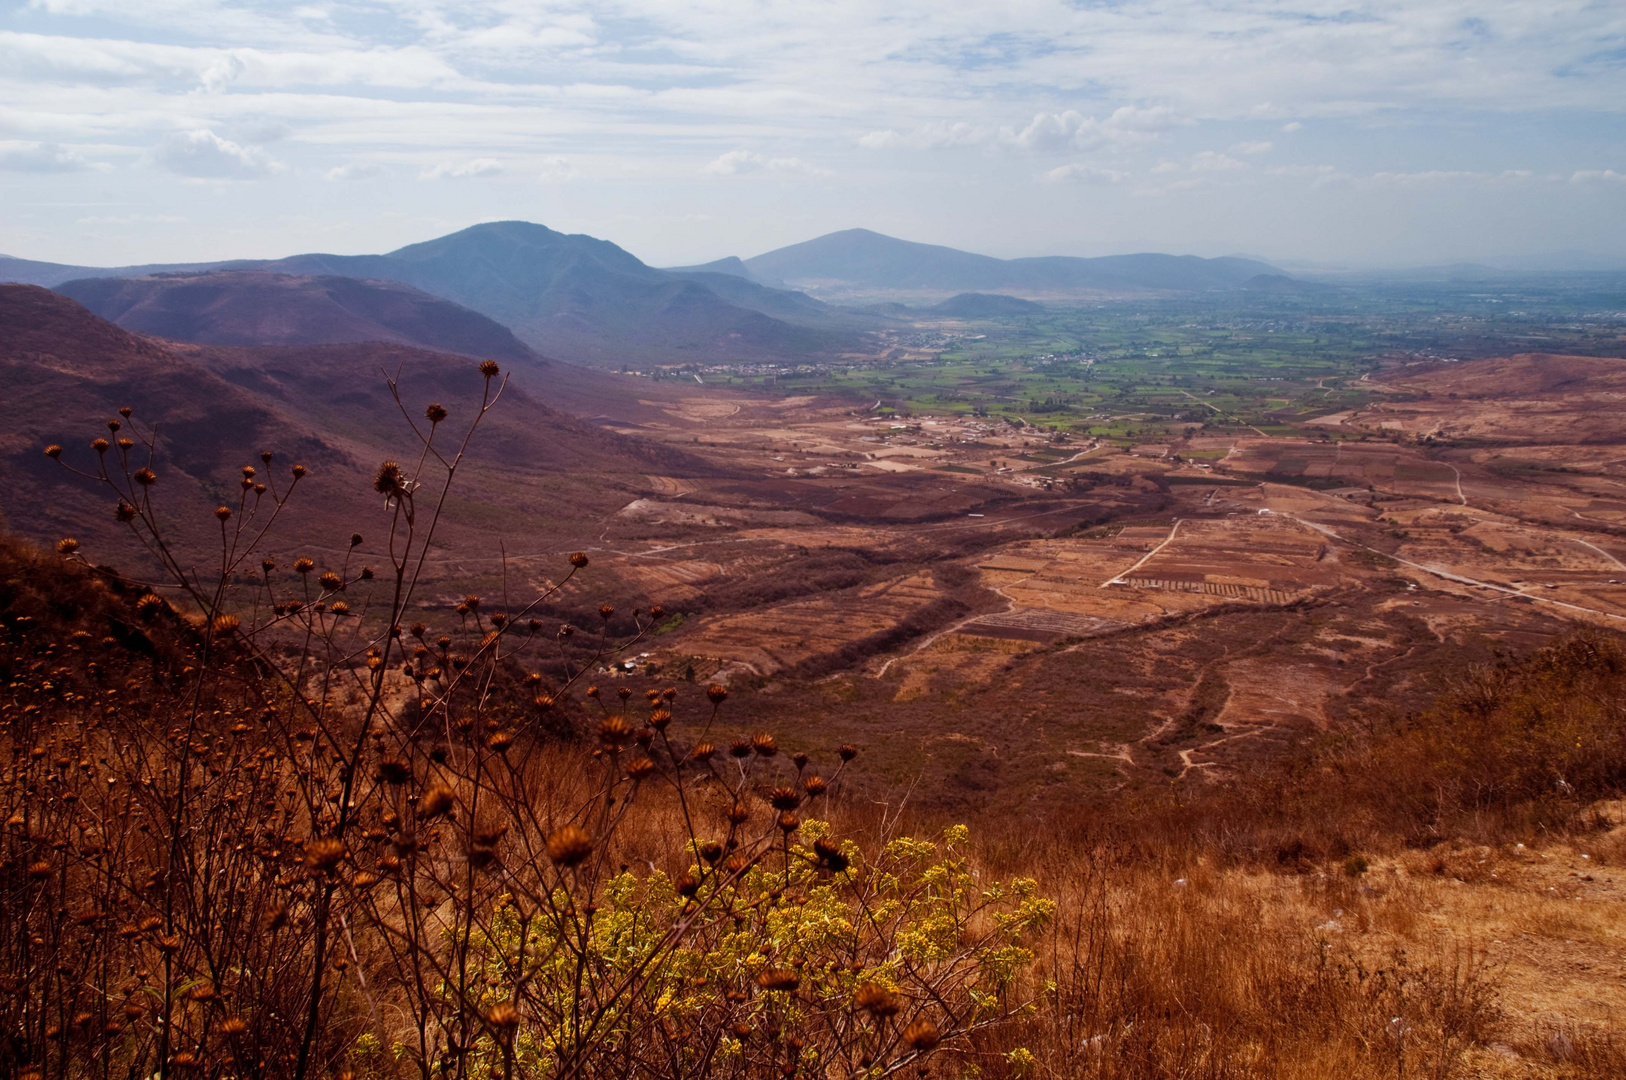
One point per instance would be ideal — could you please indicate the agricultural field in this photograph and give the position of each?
(1190, 572)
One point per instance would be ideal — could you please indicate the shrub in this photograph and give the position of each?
(271, 825)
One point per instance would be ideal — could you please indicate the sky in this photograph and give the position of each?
(1348, 133)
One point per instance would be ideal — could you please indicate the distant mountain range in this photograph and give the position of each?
(586, 300)
(858, 262)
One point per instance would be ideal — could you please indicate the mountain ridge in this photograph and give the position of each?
(855, 260)
(262, 307)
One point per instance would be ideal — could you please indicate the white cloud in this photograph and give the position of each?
(796, 165)
(202, 154)
(355, 170)
(733, 163)
(739, 162)
(935, 135)
(1320, 176)
(1051, 133)
(1251, 148)
(1292, 126)
(1445, 177)
(556, 168)
(1214, 161)
(1584, 176)
(458, 170)
(1155, 118)
(1085, 174)
(40, 157)
(221, 73)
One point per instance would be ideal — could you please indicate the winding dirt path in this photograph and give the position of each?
(1119, 580)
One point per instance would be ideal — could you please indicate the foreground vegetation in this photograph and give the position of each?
(261, 824)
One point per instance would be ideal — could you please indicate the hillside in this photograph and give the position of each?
(986, 306)
(858, 262)
(257, 307)
(64, 372)
(567, 295)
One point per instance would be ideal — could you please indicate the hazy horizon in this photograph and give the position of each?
(1388, 133)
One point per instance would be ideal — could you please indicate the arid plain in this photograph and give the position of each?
(1004, 616)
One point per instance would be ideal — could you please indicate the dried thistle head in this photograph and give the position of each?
(847, 751)
(569, 846)
(763, 744)
(436, 412)
(299, 471)
(395, 770)
(814, 785)
(100, 445)
(717, 693)
(223, 513)
(436, 801)
(304, 565)
(53, 451)
(877, 1000)
(782, 980)
(614, 730)
(489, 369)
(146, 477)
(922, 1035)
(124, 512)
(578, 559)
(322, 855)
(505, 1018)
(784, 798)
(829, 855)
(388, 479)
(67, 546)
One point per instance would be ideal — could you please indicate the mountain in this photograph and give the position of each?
(536, 478)
(259, 307)
(860, 262)
(732, 266)
(973, 305)
(571, 296)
